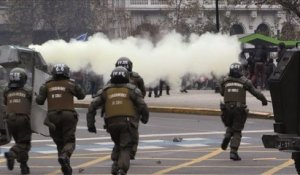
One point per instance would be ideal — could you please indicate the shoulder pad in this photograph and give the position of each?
(131, 86)
(27, 88)
(99, 92)
(6, 89)
(108, 85)
(226, 78)
(49, 79)
(135, 75)
(72, 80)
(137, 91)
(244, 79)
(3, 84)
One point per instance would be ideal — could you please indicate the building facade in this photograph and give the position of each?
(244, 17)
(128, 17)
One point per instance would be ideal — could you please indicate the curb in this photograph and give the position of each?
(199, 111)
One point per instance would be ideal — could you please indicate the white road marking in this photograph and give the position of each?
(98, 149)
(151, 141)
(191, 145)
(160, 135)
(47, 151)
(149, 147)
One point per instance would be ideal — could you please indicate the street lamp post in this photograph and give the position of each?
(217, 16)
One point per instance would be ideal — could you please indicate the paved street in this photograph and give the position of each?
(197, 153)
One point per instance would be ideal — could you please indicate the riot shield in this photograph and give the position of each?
(39, 112)
(4, 134)
(5, 137)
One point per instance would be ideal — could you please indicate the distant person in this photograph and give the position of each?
(281, 49)
(124, 107)
(269, 68)
(17, 98)
(260, 59)
(250, 65)
(184, 83)
(234, 109)
(162, 84)
(135, 78)
(153, 88)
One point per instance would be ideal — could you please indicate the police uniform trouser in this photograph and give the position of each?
(119, 130)
(239, 116)
(134, 130)
(19, 128)
(64, 134)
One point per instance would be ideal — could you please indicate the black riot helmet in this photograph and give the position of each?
(119, 75)
(235, 70)
(17, 78)
(60, 71)
(124, 62)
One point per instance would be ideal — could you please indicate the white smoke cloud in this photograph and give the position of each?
(171, 57)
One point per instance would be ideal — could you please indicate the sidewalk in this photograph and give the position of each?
(202, 102)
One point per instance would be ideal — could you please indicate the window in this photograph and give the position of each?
(138, 2)
(159, 2)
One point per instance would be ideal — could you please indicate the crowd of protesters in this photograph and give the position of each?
(258, 65)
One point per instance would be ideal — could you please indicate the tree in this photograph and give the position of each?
(290, 30)
(62, 19)
(289, 5)
(184, 16)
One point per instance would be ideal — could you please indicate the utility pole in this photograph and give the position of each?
(217, 16)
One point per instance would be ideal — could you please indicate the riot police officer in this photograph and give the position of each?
(234, 110)
(17, 98)
(137, 80)
(61, 118)
(123, 103)
(134, 77)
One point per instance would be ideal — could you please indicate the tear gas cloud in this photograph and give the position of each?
(169, 58)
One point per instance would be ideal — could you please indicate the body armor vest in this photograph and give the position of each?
(118, 103)
(234, 92)
(59, 96)
(17, 102)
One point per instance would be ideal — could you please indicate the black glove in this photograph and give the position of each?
(144, 120)
(92, 129)
(264, 103)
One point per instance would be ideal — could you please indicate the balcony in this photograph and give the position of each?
(147, 4)
(144, 5)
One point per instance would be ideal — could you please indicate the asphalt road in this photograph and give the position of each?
(197, 153)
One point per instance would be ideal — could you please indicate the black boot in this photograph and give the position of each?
(10, 160)
(235, 156)
(114, 168)
(65, 165)
(121, 172)
(225, 143)
(24, 168)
